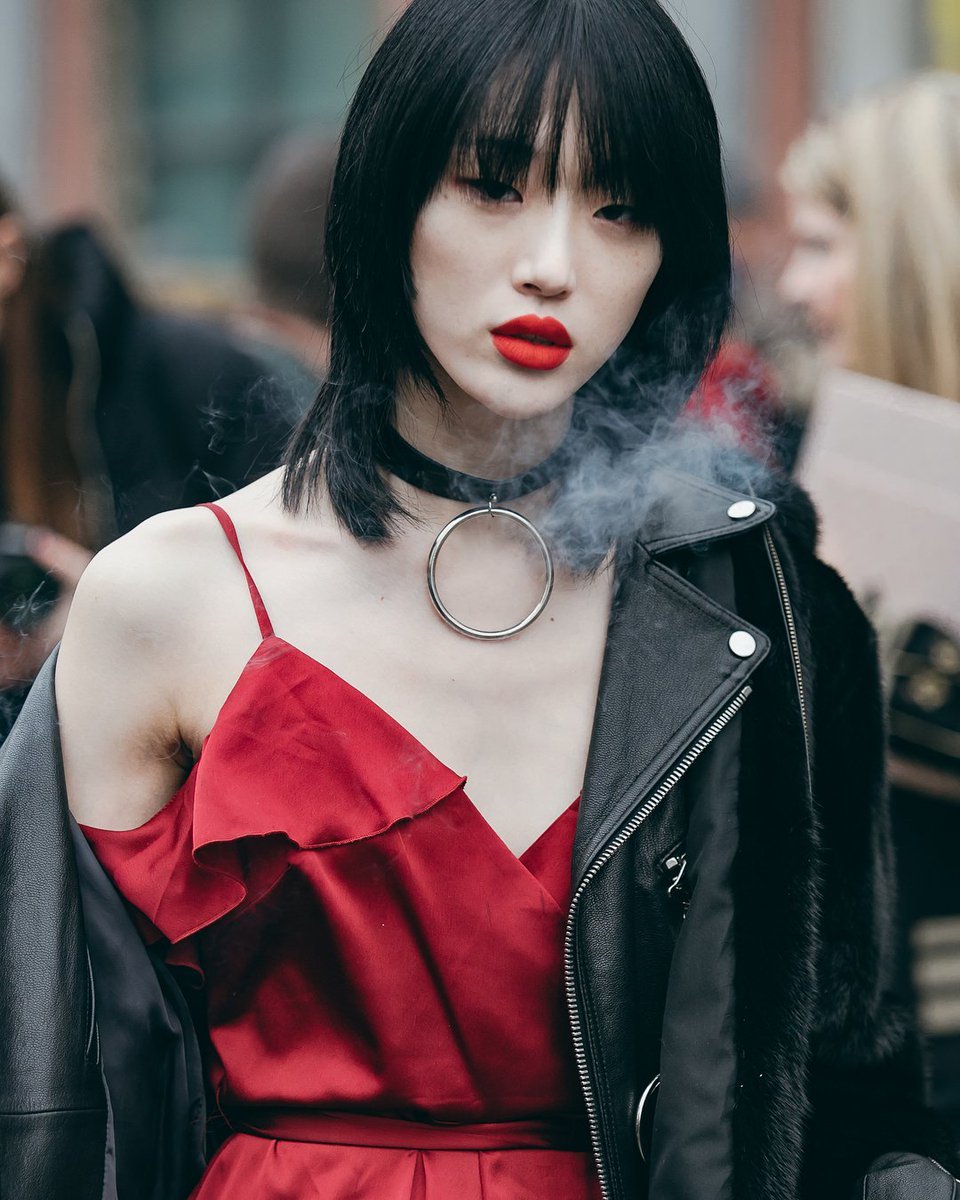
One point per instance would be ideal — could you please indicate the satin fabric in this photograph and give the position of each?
(366, 943)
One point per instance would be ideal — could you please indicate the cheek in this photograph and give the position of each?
(430, 251)
(626, 281)
(835, 293)
(448, 244)
(645, 270)
(846, 275)
(431, 272)
(445, 274)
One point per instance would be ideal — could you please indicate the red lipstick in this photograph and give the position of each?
(537, 343)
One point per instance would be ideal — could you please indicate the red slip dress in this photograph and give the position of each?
(383, 976)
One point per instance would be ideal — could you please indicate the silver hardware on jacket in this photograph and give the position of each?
(645, 1111)
(713, 730)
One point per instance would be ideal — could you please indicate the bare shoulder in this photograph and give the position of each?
(127, 658)
(140, 587)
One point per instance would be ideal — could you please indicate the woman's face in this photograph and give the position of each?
(521, 295)
(819, 275)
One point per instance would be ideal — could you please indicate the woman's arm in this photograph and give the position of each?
(116, 679)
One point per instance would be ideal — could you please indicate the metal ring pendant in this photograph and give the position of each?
(491, 510)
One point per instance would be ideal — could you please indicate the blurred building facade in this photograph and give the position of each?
(153, 114)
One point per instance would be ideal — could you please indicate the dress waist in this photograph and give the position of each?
(368, 1129)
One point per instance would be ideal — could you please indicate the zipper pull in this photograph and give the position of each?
(674, 867)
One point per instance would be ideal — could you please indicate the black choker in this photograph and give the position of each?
(396, 455)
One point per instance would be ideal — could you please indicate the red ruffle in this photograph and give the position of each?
(301, 763)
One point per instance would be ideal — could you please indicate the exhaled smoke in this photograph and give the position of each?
(625, 456)
(253, 425)
(631, 433)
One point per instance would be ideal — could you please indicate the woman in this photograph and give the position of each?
(875, 264)
(530, 269)
(874, 198)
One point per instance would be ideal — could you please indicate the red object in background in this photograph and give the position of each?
(738, 391)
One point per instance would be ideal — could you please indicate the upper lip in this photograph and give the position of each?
(545, 329)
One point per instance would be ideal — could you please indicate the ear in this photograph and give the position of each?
(13, 254)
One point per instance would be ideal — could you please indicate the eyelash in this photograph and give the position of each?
(493, 191)
(622, 211)
(490, 190)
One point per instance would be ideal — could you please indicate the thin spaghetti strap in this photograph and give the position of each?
(226, 523)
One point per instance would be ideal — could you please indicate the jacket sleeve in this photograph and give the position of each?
(866, 1080)
(97, 1100)
(53, 1105)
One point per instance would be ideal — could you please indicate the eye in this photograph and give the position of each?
(619, 214)
(492, 191)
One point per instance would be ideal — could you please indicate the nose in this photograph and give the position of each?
(544, 266)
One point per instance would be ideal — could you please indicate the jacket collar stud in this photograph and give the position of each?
(687, 511)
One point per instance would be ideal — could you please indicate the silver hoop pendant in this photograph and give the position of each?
(491, 510)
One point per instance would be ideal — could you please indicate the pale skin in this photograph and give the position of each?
(820, 274)
(162, 624)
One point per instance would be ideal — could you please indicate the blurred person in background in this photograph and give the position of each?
(109, 413)
(874, 207)
(874, 198)
(289, 317)
(753, 392)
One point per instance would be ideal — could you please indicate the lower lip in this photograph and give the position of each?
(535, 356)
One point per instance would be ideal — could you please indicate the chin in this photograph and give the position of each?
(525, 408)
(519, 395)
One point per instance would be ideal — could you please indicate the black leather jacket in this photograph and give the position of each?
(729, 934)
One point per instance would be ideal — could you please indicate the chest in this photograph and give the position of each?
(514, 716)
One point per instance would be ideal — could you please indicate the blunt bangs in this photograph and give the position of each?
(624, 146)
(479, 85)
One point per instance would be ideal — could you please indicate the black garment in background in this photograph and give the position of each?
(179, 411)
(167, 411)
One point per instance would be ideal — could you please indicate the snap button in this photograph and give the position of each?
(741, 510)
(743, 644)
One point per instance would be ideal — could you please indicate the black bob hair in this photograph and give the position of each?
(480, 81)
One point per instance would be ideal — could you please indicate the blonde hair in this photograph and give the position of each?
(891, 164)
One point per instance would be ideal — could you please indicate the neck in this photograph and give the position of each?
(468, 437)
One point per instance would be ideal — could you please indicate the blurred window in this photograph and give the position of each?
(219, 81)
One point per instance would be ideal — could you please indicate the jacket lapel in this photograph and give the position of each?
(668, 667)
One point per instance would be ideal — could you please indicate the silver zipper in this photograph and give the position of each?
(791, 625)
(650, 804)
